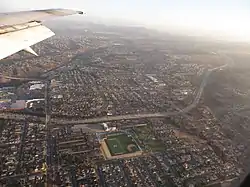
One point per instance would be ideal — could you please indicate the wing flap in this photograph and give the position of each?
(30, 50)
(16, 41)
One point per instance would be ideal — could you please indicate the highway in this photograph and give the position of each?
(119, 117)
(149, 115)
(63, 122)
(20, 78)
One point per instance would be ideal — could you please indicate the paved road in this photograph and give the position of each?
(20, 78)
(61, 122)
(149, 115)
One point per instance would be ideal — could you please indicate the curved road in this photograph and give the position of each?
(61, 122)
(150, 115)
(20, 78)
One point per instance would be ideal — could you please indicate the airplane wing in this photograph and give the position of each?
(20, 30)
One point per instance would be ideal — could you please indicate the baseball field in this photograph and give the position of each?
(121, 143)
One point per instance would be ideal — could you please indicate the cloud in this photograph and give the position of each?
(6, 6)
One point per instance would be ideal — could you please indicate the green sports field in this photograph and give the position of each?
(151, 143)
(119, 144)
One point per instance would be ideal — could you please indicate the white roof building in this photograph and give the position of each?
(36, 86)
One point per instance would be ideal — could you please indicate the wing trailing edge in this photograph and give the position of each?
(13, 42)
(20, 30)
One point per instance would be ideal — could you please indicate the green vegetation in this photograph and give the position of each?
(155, 145)
(147, 138)
(115, 147)
(2, 124)
(121, 144)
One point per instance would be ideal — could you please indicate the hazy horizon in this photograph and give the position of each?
(225, 18)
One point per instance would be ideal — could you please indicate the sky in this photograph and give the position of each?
(212, 17)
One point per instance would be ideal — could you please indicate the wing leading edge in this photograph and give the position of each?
(20, 30)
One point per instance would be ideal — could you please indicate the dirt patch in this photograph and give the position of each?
(189, 137)
(131, 147)
(105, 150)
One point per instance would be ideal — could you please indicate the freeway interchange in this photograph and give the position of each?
(63, 122)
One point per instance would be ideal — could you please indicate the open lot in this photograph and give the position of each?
(146, 137)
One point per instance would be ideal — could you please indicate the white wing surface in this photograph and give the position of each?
(20, 30)
(14, 42)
